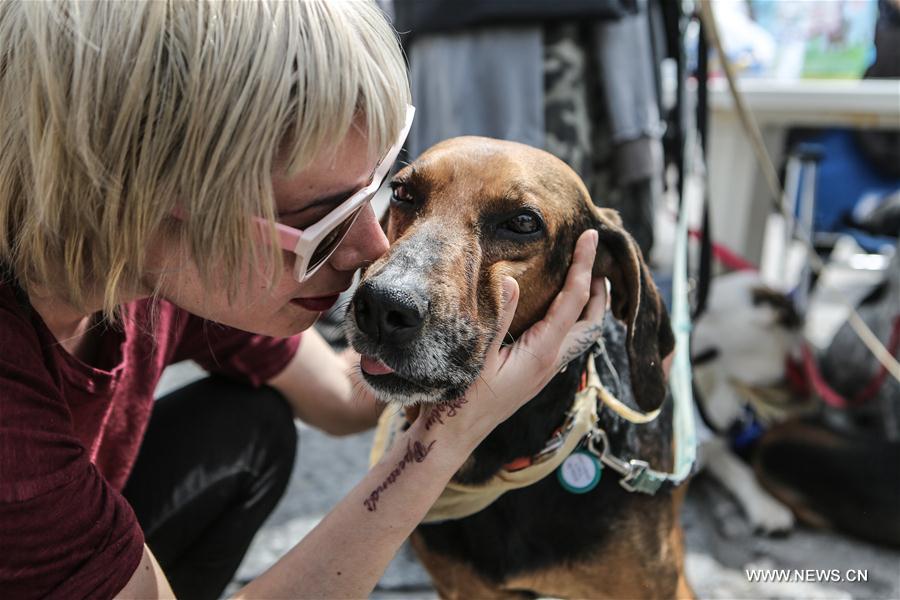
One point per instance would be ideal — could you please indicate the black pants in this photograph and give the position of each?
(216, 458)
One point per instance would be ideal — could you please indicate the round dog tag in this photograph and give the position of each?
(580, 472)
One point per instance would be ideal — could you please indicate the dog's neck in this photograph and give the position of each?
(526, 432)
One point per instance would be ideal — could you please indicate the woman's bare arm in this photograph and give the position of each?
(148, 580)
(348, 551)
(325, 389)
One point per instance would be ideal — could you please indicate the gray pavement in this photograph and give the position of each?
(719, 541)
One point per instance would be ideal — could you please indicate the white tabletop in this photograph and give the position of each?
(824, 102)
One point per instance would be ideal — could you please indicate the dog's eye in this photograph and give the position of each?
(399, 193)
(523, 223)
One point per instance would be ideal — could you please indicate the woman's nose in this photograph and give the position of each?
(365, 242)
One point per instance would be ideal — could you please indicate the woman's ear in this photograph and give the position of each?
(635, 301)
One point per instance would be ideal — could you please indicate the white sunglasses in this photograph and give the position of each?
(314, 245)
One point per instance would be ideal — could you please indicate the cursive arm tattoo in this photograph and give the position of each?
(585, 340)
(415, 452)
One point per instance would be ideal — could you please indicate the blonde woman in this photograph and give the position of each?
(155, 158)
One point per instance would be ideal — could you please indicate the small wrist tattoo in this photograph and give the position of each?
(585, 340)
(415, 452)
(447, 409)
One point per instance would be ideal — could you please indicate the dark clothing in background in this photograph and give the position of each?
(216, 458)
(414, 17)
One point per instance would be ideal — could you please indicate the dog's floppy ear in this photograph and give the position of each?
(636, 302)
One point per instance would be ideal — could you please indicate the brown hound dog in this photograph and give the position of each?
(465, 213)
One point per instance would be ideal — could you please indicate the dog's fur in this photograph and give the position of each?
(834, 479)
(452, 225)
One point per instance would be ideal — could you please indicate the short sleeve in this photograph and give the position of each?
(64, 531)
(247, 357)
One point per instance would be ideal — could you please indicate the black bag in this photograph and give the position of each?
(412, 17)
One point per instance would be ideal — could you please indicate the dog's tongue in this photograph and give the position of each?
(373, 366)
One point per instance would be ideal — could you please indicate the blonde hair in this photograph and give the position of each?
(114, 113)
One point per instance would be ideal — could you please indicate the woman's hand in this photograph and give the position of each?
(514, 374)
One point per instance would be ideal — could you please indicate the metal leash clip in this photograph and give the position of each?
(632, 471)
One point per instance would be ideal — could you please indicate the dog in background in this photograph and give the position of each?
(741, 345)
(468, 211)
(840, 467)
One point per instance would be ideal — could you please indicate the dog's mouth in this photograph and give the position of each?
(373, 367)
(392, 383)
(386, 381)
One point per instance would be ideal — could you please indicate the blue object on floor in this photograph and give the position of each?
(843, 177)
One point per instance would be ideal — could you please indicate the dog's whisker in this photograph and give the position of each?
(505, 344)
(487, 385)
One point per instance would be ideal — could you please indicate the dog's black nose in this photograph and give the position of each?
(388, 315)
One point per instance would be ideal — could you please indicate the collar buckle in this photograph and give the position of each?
(636, 474)
(637, 480)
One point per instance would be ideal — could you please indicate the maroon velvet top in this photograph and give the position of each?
(69, 435)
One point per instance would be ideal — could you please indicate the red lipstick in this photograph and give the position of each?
(318, 304)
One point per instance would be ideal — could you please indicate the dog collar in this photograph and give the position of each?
(590, 384)
(556, 440)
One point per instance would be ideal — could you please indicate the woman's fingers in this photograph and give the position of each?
(596, 306)
(508, 303)
(589, 327)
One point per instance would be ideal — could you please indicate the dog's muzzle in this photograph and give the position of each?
(389, 315)
(406, 323)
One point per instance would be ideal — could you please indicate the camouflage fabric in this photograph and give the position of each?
(577, 128)
(567, 123)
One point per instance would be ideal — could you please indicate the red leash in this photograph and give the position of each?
(818, 383)
(833, 398)
(724, 255)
